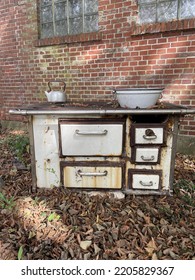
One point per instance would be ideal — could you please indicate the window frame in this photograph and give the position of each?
(179, 25)
(157, 3)
(68, 38)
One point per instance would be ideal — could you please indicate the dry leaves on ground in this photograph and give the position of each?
(60, 224)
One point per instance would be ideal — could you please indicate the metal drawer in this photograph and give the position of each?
(91, 177)
(91, 139)
(147, 135)
(145, 179)
(146, 155)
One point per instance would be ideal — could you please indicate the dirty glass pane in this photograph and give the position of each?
(91, 6)
(62, 17)
(76, 25)
(147, 13)
(60, 11)
(47, 30)
(91, 23)
(46, 2)
(75, 7)
(187, 9)
(47, 14)
(61, 28)
(166, 11)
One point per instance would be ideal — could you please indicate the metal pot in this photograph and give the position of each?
(56, 96)
(137, 97)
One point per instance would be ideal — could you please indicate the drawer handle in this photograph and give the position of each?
(148, 184)
(149, 137)
(147, 159)
(78, 132)
(80, 173)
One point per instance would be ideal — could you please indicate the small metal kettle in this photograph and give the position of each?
(56, 96)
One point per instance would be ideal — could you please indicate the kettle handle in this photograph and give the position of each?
(57, 81)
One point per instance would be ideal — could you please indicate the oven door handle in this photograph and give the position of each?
(80, 173)
(78, 132)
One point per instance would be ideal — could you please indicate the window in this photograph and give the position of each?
(151, 11)
(67, 17)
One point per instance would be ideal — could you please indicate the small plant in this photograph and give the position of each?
(19, 145)
(6, 203)
(53, 216)
(20, 253)
(186, 190)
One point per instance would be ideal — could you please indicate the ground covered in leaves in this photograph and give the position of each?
(59, 224)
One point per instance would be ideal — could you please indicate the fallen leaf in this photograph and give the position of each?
(154, 256)
(96, 249)
(151, 247)
(85, 244)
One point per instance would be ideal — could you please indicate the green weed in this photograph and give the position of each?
(186, 190)
(53, 216)
(6, 203)
(19, 145)
(20, 253)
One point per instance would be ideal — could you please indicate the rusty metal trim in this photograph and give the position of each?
(91, 164)
(146, 125)
(174, 150)
(32, 155)
(144, 172)
(179, 110)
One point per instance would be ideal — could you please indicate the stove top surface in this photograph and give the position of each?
(97, 108)
(93, 106)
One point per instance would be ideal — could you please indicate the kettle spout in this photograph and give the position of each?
(47, 93)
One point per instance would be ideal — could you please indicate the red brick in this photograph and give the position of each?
(118, 55)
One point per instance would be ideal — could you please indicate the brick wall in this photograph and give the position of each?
(123, 53)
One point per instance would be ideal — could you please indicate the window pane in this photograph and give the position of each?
(46, 2)
(187, 8)
(75, 7)
(167, 11)
(91, 23)
(62, 17)
(60, 11)
(91, 6)
(47, 30)
(61, 28)
(47, 14)
(147, 13)
(76, 25)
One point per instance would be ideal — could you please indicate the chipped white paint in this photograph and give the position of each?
(100, 177)
(47, 164)
(98, 148)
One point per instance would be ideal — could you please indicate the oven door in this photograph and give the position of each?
(91, 139)
(94, 176)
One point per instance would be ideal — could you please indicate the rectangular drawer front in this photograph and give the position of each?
(102, 177)
(91, 139)
(149, 135)
(145, 181)
(146, 155)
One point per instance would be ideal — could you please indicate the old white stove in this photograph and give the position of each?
(98, 147)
